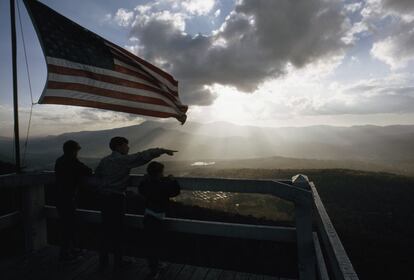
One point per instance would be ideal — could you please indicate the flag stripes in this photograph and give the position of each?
(105, 92)
(151, 69)
(105, 86)
(87, 84)
(107, 106)
(78, 95)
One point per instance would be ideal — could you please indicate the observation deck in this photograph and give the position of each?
(319, 253)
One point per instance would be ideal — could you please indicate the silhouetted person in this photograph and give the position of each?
(113, 173)
(69, 175)
(157, 190)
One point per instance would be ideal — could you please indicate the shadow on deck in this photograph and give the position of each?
(43, 264)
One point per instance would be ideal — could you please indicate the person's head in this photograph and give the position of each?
(155, 169)
(119, 144)
(71, 148)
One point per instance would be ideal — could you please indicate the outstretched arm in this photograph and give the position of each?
(146, 156)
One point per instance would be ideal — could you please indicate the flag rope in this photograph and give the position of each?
(30, 84)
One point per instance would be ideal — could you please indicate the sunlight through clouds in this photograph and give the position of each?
(259, 62)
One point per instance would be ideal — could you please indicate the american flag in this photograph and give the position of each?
(86, 70)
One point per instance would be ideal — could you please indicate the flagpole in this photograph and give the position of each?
(15, 98)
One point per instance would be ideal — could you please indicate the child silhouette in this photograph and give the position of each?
(157, 190)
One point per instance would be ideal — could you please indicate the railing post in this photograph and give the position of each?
(303, 216)
(34, 220)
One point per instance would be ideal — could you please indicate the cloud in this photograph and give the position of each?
(55, 119)
(217, 13)
(198, 7)
(394, 94)
(354, 7)
(123, 17)
(396, 51)
(392, 22)
(256, 42)
(374, 9)
(364, 105)
(301, 96)
(401, 6)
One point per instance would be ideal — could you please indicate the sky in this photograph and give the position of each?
(248, 62)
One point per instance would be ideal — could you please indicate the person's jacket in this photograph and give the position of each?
(69, 172)
(113, 170)
(157, 192)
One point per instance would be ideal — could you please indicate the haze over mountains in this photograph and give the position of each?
(388, 148)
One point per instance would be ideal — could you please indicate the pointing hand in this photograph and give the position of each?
(170, 152)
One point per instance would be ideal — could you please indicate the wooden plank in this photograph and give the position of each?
(28, 265)
(137, 270)
(164, 269)
(88, 261)
(172, 272)
(9, 220)
(267, 277)
(305, 247)
(142, 263)
(241, 276)
(186, 273)
(227, 275)
(143, 272)
(34, 220)
(337, 257)
(255, 232)
(200, 273)
(10, 262)
(97, 273)
(54, 269)
(45, 266)
(255, 277)
(321, 266)
(33, 266)
(213, 274)
(90, 271)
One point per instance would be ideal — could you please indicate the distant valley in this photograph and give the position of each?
(225, 145)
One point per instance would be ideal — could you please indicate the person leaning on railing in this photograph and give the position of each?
(113, 175)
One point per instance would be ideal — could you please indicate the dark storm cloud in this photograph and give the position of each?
(256, 42)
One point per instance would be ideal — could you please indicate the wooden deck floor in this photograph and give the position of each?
(44, 265)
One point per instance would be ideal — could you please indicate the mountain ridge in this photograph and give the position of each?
(388, 146)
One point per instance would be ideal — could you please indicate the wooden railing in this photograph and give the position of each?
(338, 261)
(313, 248)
